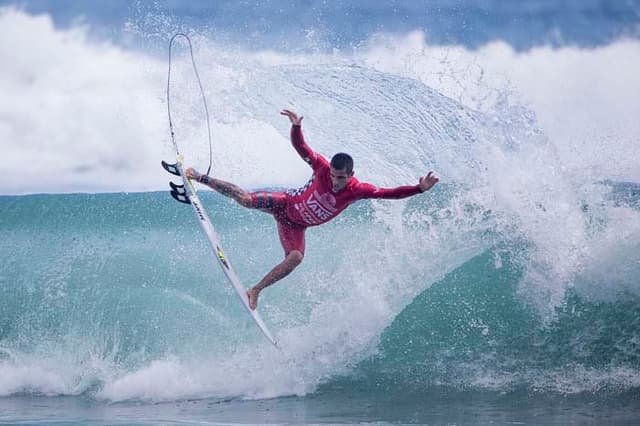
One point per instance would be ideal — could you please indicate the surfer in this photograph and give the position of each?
(331, 189)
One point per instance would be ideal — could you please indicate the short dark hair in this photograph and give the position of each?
(342, 161)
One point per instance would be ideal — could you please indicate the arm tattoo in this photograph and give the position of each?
(227, 189)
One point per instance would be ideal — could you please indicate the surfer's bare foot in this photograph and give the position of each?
(252, 294)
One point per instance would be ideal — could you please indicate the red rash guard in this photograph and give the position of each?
(316, 202)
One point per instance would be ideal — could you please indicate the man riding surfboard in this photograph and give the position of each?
(331, 189)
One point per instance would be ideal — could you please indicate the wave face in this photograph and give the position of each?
(117, 296)
(518, 271)
(470, 331)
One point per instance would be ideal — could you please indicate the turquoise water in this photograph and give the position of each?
(113, 300)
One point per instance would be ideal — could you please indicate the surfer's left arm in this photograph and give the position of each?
(425, 183)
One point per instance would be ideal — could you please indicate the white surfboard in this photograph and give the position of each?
(187, 194)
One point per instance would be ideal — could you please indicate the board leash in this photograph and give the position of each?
(186, 193)
(204, 99)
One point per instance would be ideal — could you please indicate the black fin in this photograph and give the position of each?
(180, 197)
(171, 168)
(178, 188)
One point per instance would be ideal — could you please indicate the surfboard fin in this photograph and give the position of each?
(179, 193)
(171, 168)
(182, 197)
(177, 188)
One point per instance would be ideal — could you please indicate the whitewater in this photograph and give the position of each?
(518, 274)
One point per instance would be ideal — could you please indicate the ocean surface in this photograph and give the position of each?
(508, 294)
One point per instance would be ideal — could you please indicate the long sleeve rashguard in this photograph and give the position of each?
(317, 202)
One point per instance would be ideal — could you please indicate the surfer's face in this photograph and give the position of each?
(339, 178)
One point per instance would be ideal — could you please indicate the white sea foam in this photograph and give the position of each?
(83, 115)
(585, 99)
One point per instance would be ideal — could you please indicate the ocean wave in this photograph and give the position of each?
(518, 270)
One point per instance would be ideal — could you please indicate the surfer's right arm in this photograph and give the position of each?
(299, 144)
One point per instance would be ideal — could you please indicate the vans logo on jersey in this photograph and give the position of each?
(322, 206)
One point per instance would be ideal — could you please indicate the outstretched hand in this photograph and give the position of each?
(293, 117)
(427, 182)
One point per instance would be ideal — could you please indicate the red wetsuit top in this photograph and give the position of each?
(316, 202)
